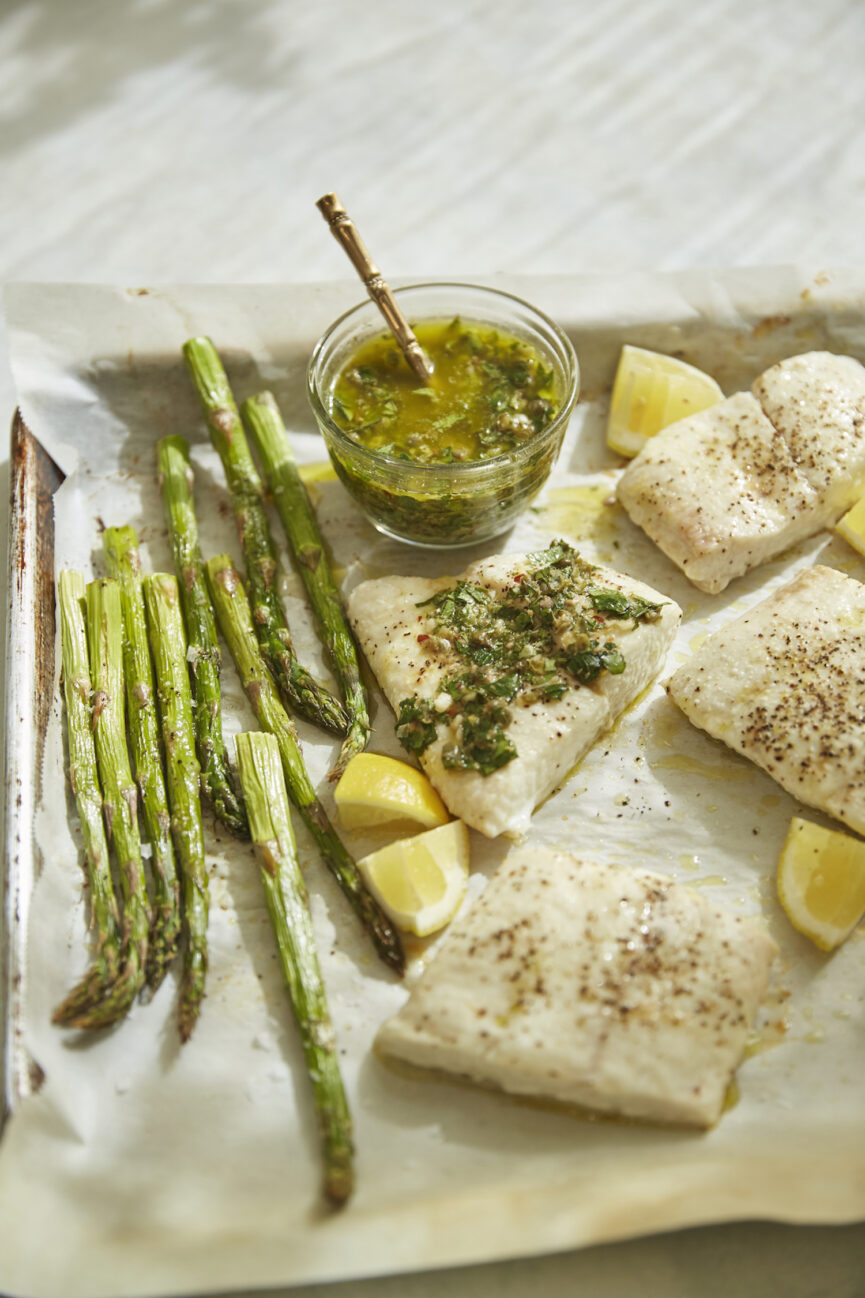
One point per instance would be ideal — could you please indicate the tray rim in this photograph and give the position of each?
(29, 667)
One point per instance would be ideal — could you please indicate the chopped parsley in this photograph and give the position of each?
(540, 638)
(416, 725)
(617, 604)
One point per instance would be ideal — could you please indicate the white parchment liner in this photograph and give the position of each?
(141, 1168)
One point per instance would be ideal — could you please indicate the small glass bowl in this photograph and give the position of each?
(442, 506)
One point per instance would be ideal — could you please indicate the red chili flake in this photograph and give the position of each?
(421, 638)
(599, 617)
(518, 578)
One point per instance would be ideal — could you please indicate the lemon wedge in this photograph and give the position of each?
(821, 882)
(650, 391)
(852, 526)
(420, 882)
(375, 790)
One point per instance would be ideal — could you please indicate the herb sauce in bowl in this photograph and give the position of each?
(489, 393)
(453, 461)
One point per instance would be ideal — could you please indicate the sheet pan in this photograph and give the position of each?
(155, 1171)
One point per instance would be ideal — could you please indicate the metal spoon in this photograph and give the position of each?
(343, 230)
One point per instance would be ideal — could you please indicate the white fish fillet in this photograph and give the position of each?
(549, 737)
(784, 685)
(601, 986)
(720, 495)
(724, 490)
(817, 403)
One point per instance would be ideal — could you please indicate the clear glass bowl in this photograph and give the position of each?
(443, 506)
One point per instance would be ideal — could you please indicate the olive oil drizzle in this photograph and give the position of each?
(490, 392)
(542, 637)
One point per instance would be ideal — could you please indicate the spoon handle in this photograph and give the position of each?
(343, 229)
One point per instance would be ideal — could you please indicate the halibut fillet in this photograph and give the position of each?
(611, 988)
(784, 685)
(726, 489)
(550, 737)
(817, 403)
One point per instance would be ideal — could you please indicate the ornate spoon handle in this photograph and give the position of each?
(343, 230)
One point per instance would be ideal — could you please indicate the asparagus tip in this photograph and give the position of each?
(187, 1018)
(339, 1181)
(355, 742)
(101, 998)
(163, 945)
(227, 807)
(393, 955)
(191, 992)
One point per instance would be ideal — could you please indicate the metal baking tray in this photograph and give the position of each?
(577, 1205)
(34, 477)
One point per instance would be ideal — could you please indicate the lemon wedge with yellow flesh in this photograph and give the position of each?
(375, 790)
(821, 882)
(650, 392)
(420, 882)
(852, 526)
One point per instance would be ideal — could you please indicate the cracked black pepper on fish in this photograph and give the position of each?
(784, 685)
(593, 984)
(726, 489)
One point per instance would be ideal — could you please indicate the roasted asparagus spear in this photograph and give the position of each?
(176, 480)
(122, 561)
(262, 417)
(120, 796)
(183, 775)
(303, 694)
(258, 761)
(235, 622)
(109, 986)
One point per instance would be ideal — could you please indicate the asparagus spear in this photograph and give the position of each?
(183, 774)
(123, 563)
(258, 761)
(235, 622)
(176, 480)
(262, 417)
(105, 642)
(301, 691)
(108, 988)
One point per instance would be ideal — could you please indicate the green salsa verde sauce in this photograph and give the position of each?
(547, 633)
(490, 393)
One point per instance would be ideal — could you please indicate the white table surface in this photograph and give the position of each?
(147, 141)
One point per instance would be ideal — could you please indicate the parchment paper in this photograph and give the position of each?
(140, 1168)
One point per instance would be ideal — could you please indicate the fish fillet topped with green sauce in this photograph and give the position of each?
(612, 988)
(502, 678)
(726, 489)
